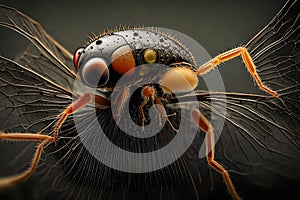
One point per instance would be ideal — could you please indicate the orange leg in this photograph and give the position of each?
(163, 113)
(15, 179)
(142, 112)
(204, 124)
(120, 100)
(247, 60)
(101, 102)
(149, 93)
(79, 103)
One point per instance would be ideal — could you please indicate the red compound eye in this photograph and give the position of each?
(77, 56)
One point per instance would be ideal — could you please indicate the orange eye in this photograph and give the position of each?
(95, 72)
(77, 56)
(122, 60)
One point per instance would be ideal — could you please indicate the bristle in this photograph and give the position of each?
(173, 37)
(92, 37)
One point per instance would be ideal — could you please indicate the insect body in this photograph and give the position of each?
(124, 51)
(103, 62)
(139, 55)
(162, 68)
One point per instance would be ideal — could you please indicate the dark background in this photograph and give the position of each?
(217, 25)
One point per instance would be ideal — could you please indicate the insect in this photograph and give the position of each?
(270, 57)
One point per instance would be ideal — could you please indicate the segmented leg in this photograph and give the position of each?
(82, 101)
(148, 93)
(142, 112)
(120, 99)
(163, 113)
(204, 124)
(15, 179)
(77, 105)
(247, 60)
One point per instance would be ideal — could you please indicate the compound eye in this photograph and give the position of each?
(77, 56)
(122, 60)
(95, 72)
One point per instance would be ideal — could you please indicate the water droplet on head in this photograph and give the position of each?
(139, 46)
(165, 44)
(98, 42)
(147, 43)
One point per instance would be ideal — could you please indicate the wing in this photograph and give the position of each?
(261, 137)
(275, 51)
(38, 85)
(51, 60)
(260, 133)
(28, 99)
